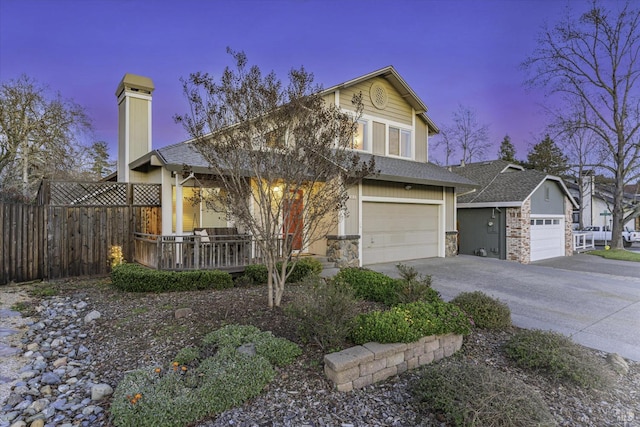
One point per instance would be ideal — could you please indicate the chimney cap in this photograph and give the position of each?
(136, 83)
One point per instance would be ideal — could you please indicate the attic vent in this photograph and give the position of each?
(378, 96)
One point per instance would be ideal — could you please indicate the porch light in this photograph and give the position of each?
(408, 187)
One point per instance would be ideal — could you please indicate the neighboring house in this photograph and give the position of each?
(407, 211)
(596, 202)
(517, 214)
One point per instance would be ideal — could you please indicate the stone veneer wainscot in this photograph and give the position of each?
(362, 365)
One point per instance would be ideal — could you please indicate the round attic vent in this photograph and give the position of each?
(378, 96)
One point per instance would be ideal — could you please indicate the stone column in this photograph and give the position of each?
(451, 243)
(343, 251)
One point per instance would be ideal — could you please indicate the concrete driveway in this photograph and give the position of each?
(593, 300)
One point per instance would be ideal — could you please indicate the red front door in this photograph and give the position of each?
(293, 222)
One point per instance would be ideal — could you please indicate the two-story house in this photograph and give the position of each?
(407, 211)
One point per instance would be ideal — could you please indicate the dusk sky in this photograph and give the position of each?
(450, 52)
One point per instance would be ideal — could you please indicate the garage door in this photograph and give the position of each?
(398, 231)
(547, 238)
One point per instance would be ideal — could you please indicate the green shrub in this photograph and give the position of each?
(486, 312)
(187, 355)
(175, 397)
(325, 310)
(371, 285)
(559, 358)
(414, 287)
(478, 395)
(278, 351)
(258, 274)
(303, 268)
(136, 278)
(410, 322)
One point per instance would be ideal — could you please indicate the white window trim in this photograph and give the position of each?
(388, 123)
(368, 136)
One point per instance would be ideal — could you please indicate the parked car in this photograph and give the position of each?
(603, 234)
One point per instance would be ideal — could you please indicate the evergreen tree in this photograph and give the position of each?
(507, 150)
(547, 157)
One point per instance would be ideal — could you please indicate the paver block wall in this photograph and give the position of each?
(362, 365)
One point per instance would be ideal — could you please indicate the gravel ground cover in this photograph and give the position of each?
(136, 330)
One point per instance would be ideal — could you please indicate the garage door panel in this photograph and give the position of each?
(399, 231)
(547, 238)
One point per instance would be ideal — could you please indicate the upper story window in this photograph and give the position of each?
(400, 142)
(275, 139)
(361, 137)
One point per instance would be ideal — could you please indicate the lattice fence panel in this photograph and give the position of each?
(88, 194)
(146, 194)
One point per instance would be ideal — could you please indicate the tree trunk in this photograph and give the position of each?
(270, 283)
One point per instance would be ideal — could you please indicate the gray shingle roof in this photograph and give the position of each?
(394, 169)
(391, 169)
(499, 183)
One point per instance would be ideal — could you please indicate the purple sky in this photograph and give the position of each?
(450, 52)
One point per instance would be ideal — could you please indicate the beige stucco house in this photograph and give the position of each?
(407, 211)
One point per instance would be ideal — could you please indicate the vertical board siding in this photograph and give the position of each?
(53, 242)
(23, 242)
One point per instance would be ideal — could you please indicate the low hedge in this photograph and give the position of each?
(410, 322)
(259, 274)
(378, 287)
(370, 285)
(136, 278)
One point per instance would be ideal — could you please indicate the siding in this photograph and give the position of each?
(397, 190)
(421, 141)
(397, 109)
(553, 205)
(450, 209)
(351, 221)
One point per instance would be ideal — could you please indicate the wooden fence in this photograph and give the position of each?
(71, 234)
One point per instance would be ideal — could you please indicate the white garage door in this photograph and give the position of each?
(547, 238)
(398, 231)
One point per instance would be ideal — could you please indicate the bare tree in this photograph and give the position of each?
(444, 141)
(39, 135)
(592, 63)
(466, 135)
(281, 156)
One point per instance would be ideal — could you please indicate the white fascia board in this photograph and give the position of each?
(490, 205)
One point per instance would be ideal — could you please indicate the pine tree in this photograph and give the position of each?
(547, 157)
(507, 150)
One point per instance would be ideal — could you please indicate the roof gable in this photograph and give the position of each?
(390, 74)
(503, 183)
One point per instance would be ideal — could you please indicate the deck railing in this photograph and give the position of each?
(582, 241)
(194, 252)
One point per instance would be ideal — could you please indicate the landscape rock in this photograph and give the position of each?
(100, 391)
(618, 363)
(248, 349)
(183, 312)
(91, 316)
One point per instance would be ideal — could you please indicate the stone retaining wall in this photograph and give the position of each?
(362, 365)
